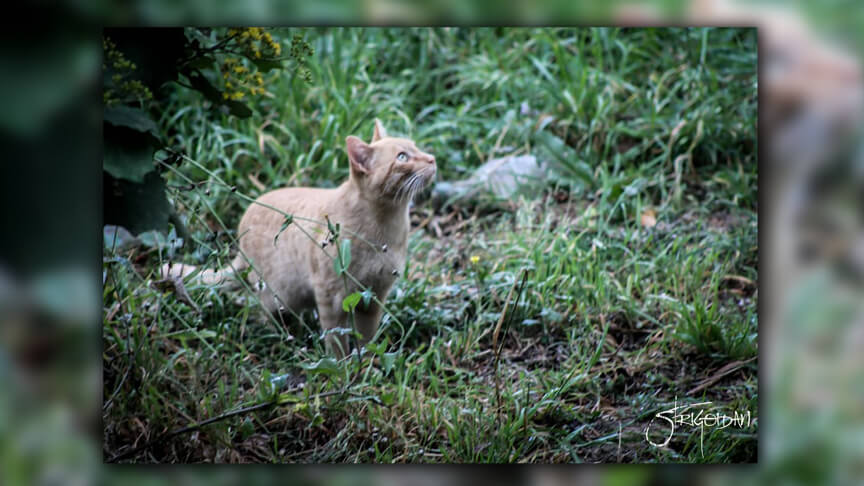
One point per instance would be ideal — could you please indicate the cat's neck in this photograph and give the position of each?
(374, 213)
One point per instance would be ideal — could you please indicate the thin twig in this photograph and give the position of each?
(509, 317)
(196, 426)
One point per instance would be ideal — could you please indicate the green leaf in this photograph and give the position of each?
(288, 220)
(343, 259)
(324, 366)
(134, 118)
(136, 206)
(238, 109)
(246, 429)
(279, 381)
(203, 62)
(350, 302)
(265, 65)
(346, 253)
(128, 153)
(388, 398)
(367, 297)
(200, 84)
(289, 398)
(387, 361)
(266, 388)
(376, 348)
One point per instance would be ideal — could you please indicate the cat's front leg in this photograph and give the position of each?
(366, 321)
(332, 316)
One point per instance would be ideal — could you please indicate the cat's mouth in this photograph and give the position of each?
(415, 183)
(431, 170)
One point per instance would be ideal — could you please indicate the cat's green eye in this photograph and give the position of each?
(402, 157)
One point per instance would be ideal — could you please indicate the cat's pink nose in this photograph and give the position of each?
(431, 160)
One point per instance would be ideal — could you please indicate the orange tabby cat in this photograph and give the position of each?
(294, 272)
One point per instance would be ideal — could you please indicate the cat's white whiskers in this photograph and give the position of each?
(406, 188)
(398, 193)
(416, 183)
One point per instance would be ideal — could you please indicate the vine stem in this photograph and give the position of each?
(280, 400)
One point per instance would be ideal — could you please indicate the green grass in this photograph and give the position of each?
(616, 320)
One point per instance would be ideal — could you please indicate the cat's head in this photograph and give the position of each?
(389, 169)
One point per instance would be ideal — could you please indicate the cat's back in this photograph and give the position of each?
(298, 201)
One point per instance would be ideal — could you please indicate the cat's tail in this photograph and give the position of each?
(222, 277)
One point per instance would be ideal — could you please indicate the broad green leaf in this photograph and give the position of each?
(201, 84)
(128, 153)
(136, 206)
(387, 361)
(134, 118)
(202, 62)
(265, 65)
(324, 366)
(240, 110)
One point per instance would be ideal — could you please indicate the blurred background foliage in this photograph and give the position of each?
(52, 112)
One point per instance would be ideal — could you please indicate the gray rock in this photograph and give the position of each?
(501, 178)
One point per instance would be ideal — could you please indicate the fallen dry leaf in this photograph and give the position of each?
(648, 218)
(175, 285)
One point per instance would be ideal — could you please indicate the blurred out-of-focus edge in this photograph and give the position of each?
(812, 241)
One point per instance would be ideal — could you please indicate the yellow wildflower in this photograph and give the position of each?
(257, 54)
(475, 259)
(239, 69)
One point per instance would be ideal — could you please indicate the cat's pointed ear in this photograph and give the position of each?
(379, 131)
(359, 153)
